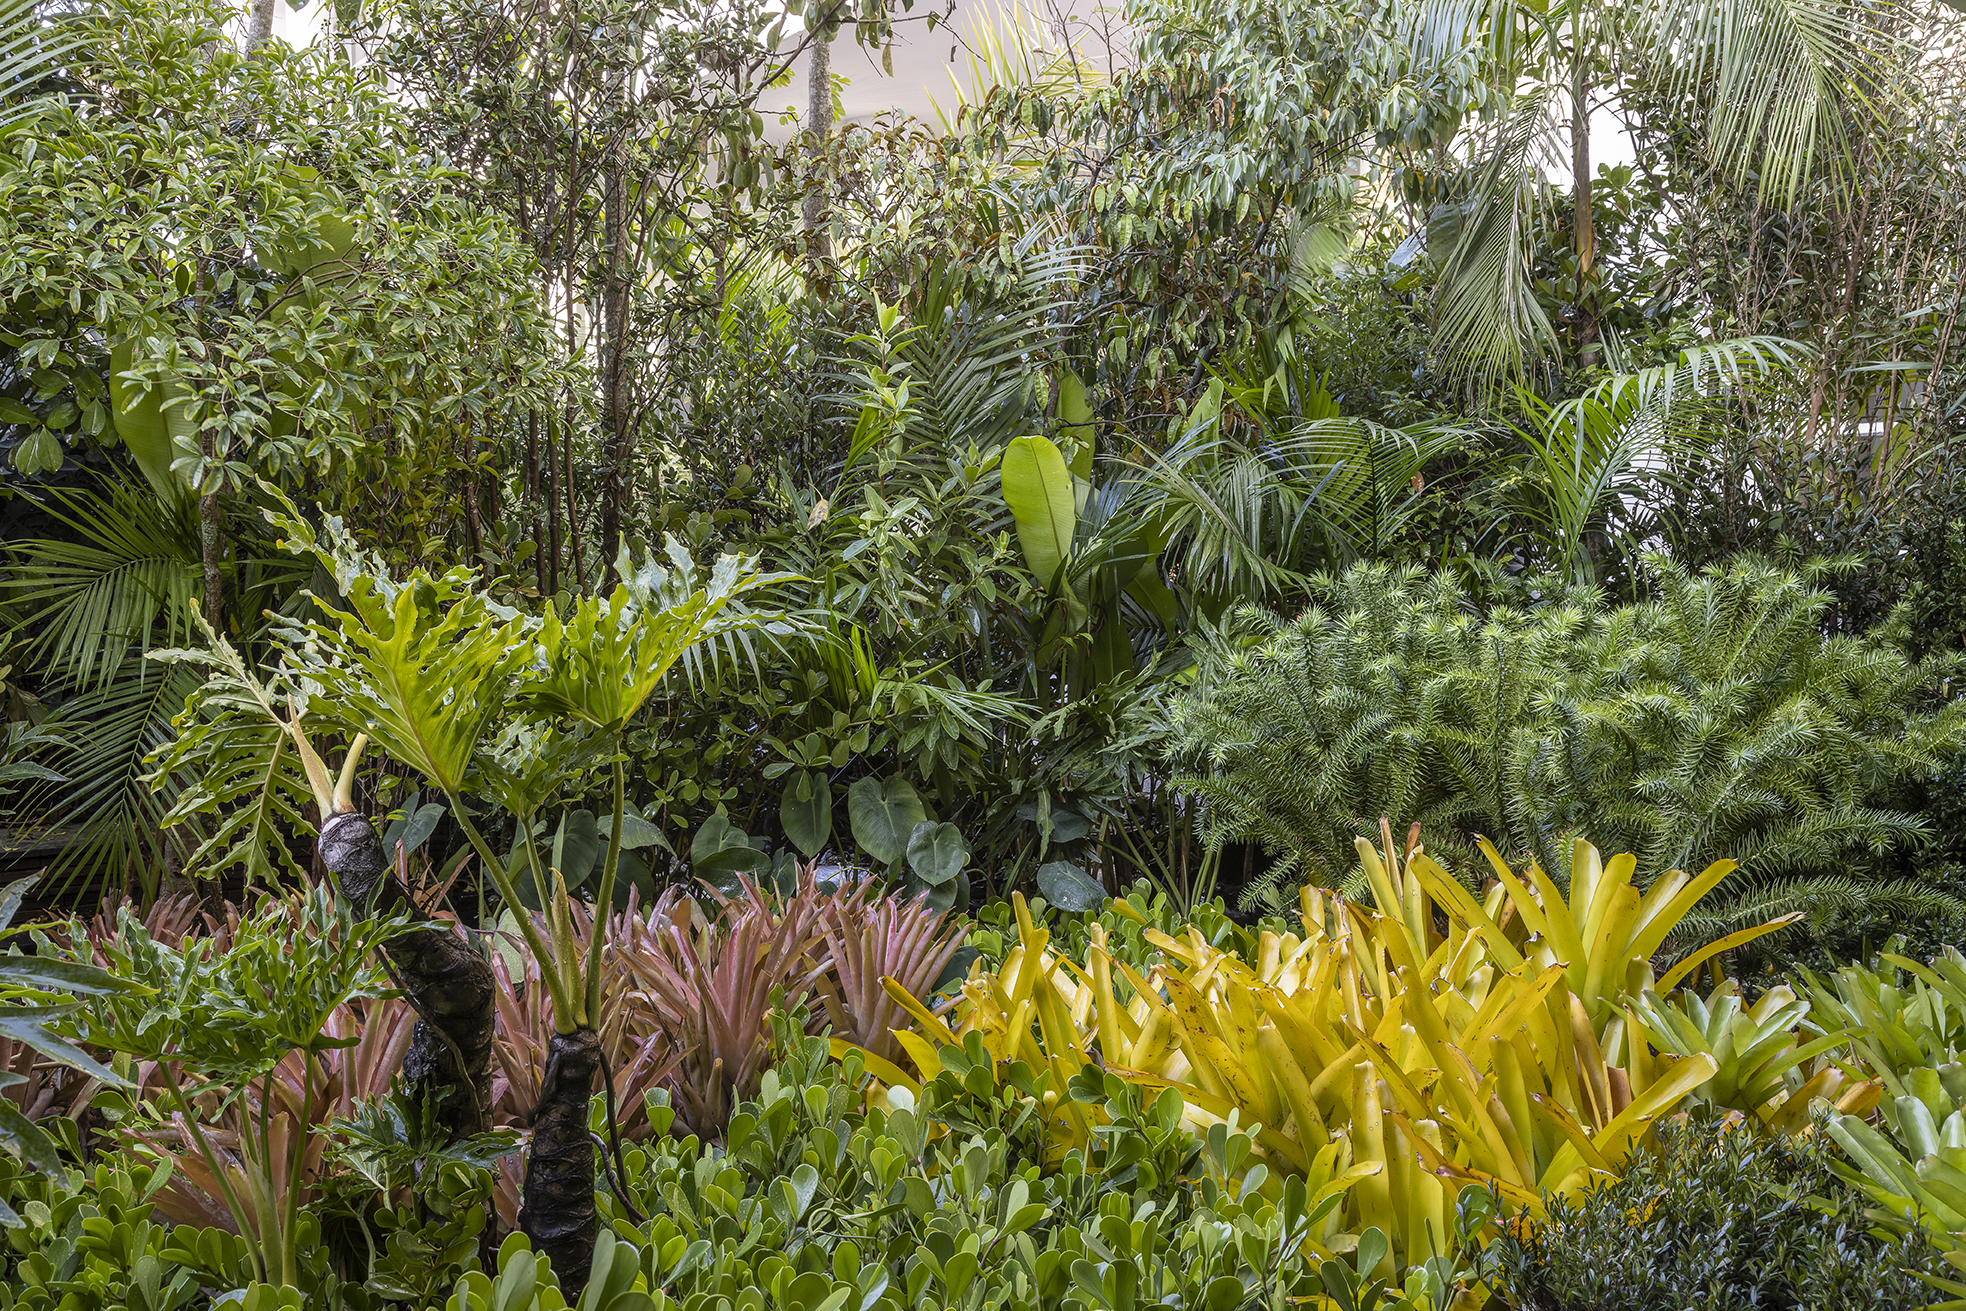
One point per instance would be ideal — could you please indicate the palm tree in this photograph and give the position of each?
(1782, 92)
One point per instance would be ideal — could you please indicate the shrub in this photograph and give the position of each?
(1715, 721)
(1719, 1217)
(1394, 1056)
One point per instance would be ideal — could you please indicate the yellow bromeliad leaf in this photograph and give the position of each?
(1398, 1049)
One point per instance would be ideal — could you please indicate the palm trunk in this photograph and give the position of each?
(448, 982)
(558, 1212)
(1580, 173)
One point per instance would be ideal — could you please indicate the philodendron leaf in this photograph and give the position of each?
(884, 814)
(936, 852)
(1068, 887)
(1038, 489)
(807, 809)
(721, 852)
(953, 895)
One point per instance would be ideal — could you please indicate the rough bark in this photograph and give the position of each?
(259, 25)
(557, 1212)
(446, 978)
(819, 116)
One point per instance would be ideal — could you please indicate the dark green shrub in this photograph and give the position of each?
(1721, 1218)
(1714, 721)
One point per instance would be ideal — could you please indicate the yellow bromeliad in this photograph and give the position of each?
(1398, 1051)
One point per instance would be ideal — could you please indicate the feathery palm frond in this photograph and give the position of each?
(1595, 457)
(1789, 83)
(123, 582)
(1489, 324)
(102, 794)
(32, 45)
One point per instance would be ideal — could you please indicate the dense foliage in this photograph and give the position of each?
(618, 649)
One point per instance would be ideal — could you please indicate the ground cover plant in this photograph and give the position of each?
(1227, 671)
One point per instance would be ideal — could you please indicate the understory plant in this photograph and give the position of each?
(1397, 1052)
(217, 1024)
(819, 1199)
(1715, 1216)
(1716, 720)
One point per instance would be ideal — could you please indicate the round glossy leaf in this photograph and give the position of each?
(1068, 887)
(937, 852)
(884, 814)
(806, 810)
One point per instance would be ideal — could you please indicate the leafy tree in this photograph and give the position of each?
(248, 267)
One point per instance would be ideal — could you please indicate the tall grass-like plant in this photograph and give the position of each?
(1716, 720)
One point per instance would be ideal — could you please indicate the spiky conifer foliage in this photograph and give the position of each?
(1716, 719)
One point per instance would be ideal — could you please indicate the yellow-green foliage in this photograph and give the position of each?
(1374, 1053)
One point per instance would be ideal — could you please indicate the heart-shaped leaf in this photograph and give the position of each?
(884, 814)
(807, 810)
(1068, 887)
(937, 852)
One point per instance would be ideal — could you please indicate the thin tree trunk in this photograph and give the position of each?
(259, 25)
(614, 322)
(445, 978)
(211, 546)
(554, 534)
(573, 512)
(1580, 173)
(474, 528)
(819, 122)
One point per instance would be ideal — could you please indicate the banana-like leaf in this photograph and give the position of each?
(1037, 486)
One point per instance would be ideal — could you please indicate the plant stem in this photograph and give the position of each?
(548, 973)
(212, 1164)
(604, 904)
(289, 1227)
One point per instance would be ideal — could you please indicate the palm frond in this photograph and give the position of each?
(119, 586)
(1789, 84)
(1488, 322)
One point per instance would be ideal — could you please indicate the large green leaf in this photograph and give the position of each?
(884, 814)
(576, 846)
(1038, 489)
(151, 421)
(937, 852)
(610, 654)
(1068, 887)
(1075, 422)
(807, 809)
(423, 667)
(721, 852)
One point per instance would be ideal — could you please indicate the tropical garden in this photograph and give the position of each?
(1227, 674)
